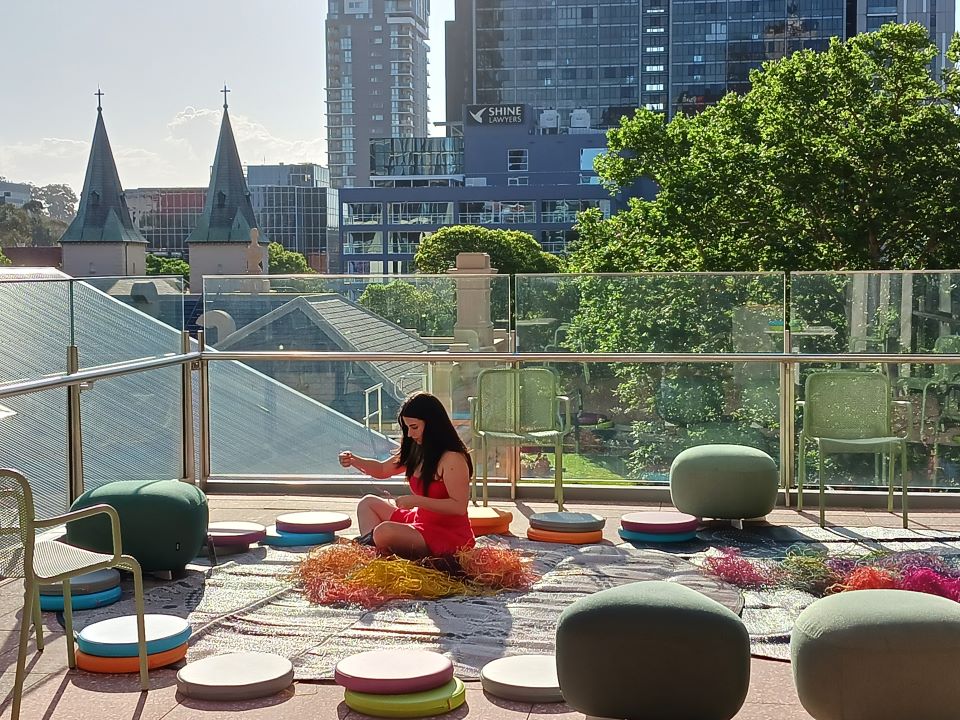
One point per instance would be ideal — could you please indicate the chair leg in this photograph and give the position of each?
(891, 469)
(801, 471)
(134, 566)
(558, 476)
(823, 499)
(68, 625)
(37, 618)
(905, 477)
(26, 618)
(486, 474)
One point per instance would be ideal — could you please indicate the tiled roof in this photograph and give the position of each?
(353, 328)
(102, 215)
(131, 423)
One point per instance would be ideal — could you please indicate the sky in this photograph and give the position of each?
(161, 66)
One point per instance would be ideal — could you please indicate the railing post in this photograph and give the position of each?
(204, 416)
(189, 471)
(74, 431)
(788, 398)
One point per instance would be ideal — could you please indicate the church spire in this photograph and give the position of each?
(102, 214)
(227, 214)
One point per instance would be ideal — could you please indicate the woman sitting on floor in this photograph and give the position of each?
(433, 520)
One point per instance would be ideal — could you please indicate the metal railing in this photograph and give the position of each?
(378, 413)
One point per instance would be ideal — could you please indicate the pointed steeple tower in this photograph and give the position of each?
(219, 243)
(102, 239)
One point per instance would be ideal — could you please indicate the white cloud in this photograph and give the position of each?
(48, 160)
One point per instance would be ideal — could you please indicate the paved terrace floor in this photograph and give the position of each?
(55, 693)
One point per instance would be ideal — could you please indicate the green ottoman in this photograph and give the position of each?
(878, 655)
(727, 482)
(652, 651)
(163, 523)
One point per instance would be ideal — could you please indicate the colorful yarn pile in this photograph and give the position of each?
(350, 573)
(813, 571)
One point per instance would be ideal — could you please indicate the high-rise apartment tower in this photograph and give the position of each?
(376, 80)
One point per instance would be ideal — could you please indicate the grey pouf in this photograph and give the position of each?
(878, 655)
(652, 651)
(726, 482)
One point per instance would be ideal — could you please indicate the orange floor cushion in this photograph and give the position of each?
(570, 538)
(97, 664)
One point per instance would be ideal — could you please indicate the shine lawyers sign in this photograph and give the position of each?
(495, 114)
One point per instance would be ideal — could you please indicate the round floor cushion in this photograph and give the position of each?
(279, 538)
(235, 533)
(163, 523)
(567, 521)
(97, 664)
(489, 521)
(646, 537)
(235, 676)
(878, 655)
(570, 538)
(386, 672)
(313, 522)
(727, 482)
(443, 699)
(96, 581)
(86, 601)
(652, 649)
(523, 678)
(659, 522)
(117, 637)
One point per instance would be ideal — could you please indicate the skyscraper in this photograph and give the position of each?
(376, 80)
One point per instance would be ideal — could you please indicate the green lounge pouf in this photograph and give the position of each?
(652, 651)
(878, 655)
(163, 523)
(726, 482)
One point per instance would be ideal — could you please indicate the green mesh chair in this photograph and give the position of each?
(51, 561)
(515, 406)
(849, 411)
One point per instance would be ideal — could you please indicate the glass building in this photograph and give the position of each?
(165, 216)
(376, 79)
(421, 157)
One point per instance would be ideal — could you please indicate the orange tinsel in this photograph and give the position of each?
(865, 578)
(497, 568)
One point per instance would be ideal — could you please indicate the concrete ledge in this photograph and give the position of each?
(618, 494)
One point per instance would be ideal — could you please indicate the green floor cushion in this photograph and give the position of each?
(727, 482)
(652, 650)
(878, 655)
(163, 523)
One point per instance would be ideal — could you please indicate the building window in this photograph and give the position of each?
(421, 213)
(363, 243)
(517, 160)
(518, 180)
(404, 243)
(362, 213)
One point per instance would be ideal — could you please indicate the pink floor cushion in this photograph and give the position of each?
(235, 532)
(659, 522)
(392, 672)
(235, 676)
(658, 537)
(524, 678)
(313, 522)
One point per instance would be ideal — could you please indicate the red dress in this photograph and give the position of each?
(444, 533)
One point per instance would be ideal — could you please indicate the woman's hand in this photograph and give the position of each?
(346, 459)
(407, 502)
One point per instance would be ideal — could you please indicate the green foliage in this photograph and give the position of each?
(842, 159)
(510, 251)
(59, 201)
(15, 227)
(158, 265)
(4, 260)
(286, 262)
(430, 310)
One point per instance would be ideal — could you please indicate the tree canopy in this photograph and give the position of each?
(842, 159)
(510, 251)
(159, 265)
(59, 201)
(286, 262)
(429, 309)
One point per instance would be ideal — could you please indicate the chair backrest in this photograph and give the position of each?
(16, 524)
(949, 344)
(512, 400)
(847, 405)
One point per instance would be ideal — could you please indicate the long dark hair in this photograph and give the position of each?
(439, 436)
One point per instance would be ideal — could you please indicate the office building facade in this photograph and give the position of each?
(593, 61)
(376, 80)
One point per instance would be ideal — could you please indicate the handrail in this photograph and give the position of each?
(514, 357)
(98, 373)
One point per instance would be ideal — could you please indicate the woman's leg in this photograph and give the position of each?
(373, 510)
(400, 539)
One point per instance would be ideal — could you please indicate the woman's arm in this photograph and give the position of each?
(373, 468)
(454, 473)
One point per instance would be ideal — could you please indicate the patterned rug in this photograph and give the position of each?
(246, 603)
